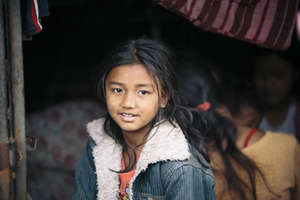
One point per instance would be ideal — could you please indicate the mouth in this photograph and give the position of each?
(128, 117)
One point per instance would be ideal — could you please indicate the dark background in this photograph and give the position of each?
(60, 63)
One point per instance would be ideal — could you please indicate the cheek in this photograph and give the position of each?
(150, 106)
(283, 88)
(258, 84)
(111, 102)
(286, 84)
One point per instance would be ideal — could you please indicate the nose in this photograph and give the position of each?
(268, 82)
(128, 101)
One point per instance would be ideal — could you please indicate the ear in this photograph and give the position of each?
(296, 75)
(164, 100)
(222, 110)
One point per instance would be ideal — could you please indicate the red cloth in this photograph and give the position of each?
(249, 137)
(125, 177)
(266, 23)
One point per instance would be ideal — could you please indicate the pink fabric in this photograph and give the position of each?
(266, 23)
(61, 134)
(263, 22)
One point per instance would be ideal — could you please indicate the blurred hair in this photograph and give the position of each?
(234, 99)
(197, 86)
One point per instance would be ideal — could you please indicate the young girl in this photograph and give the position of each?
(146, 147)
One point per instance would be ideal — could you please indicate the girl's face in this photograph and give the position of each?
(132, 98)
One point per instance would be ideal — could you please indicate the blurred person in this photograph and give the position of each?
(274, 79)
(266, 168)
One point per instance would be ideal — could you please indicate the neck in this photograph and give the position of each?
(278, 107)
(242, 134)
(277, 115)
(241, 130)
(136, 139)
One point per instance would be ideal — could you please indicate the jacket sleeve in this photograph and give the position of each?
(190, 183)
(85, 177)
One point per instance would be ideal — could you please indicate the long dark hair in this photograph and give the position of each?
(201, 87)
(159, 61)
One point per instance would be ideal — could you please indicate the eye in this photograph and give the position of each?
(116, 90)
(143, 92)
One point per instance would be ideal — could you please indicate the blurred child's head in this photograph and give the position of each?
(244, 107)
(274, 77)
(248, 116)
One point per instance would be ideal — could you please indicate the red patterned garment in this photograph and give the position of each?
(61, 134)
(266, 23)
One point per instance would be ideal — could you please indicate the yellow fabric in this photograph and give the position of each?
(278, 157)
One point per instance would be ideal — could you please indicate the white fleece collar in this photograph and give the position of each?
(166, 142)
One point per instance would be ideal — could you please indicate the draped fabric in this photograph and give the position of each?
(266, 23)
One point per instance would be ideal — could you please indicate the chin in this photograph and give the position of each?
(128, 129)
(134, 128)
(271, 102)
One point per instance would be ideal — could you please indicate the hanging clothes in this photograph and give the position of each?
(32, 12)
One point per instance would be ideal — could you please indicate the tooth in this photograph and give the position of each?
(127, 115)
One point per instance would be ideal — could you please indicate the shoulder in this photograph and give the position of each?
(274, 146)
(280, 139)
(276, 141)
(183, 179)
(189, 178)
(96, 125)
(287, 144)
(190, 167)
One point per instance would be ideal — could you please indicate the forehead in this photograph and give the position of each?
(247, 111)
(132, 73)
(272, 64)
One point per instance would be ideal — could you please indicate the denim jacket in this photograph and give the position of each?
(165, 170)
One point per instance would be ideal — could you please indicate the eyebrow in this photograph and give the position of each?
(145, 85)
(115, 83)
(138, 85)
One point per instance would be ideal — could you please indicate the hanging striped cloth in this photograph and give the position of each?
(266, 23)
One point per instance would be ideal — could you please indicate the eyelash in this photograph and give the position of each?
(143, 91)
(119, 90)
(116, 90)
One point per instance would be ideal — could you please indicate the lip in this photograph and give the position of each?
(128, 117)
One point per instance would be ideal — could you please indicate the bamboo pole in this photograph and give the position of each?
(17, 79)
